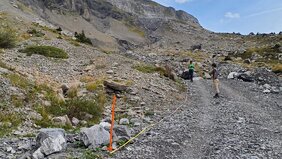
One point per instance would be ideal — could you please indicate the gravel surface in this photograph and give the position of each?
(242, 123)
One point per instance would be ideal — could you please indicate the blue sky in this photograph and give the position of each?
(242, 16)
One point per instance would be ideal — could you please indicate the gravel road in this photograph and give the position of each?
(242, 123)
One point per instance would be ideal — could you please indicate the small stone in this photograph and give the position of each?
(267, 86)
(136, 124)
(147, 119)
(35, 116)
(142, 103)
(124, 121)
(115, 64)
(110, 72)
(47, 103)
(275, 90)
(266, 91)
(83, 122)
(62, 120)
(133, 91)
(11, 150)
(75, 121)
(114, 145)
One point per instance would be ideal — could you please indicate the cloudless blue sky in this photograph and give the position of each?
(242, 16)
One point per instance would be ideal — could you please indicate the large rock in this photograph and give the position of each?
(50, 141)
(122, 132)
(245, 77)
(115, 86)
(207, 76)
(185, 75)
(232, 75)
(61, 120)
(94, 136)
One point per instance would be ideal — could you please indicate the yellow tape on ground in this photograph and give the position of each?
(148, 128)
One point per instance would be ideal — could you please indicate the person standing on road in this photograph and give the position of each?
(191, 70)
(214, 74)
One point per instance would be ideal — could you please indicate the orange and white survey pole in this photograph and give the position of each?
(110, 148)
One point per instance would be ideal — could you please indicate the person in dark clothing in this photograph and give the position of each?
(214, 74)
(191, 70)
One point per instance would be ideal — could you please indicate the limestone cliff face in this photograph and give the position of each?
(117, 9)
(150, 9)
(140, 22)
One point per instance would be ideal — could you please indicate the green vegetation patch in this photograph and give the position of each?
(48, 51)
(7, 38)
(89, 109)
(89, 154)
(35, 32)
(9, 122)
(269, 52)
(81, 37)
(146, 68)
(4, 65)
(163, 71)
(95, 85)
(18, 81)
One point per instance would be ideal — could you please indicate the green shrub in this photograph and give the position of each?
(78, 107)
(72, 92)
(48, 51)
(18, 81)
(269, 52)
(95, 85)
(146, 68)
(164, 71)
(35, 33)
(80, 37)
(13, 118)
(89, 154)
(7, 38)
(4, 65)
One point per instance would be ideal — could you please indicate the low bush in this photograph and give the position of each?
(95, 85)
(7, 38)
(74, 107)
(48, 51)
(146, 68)
(72, 92)
(164, 71)
(35, 33)
(80, 37)
(9, 122)
(4, 65)
(18, 81)
(269, 52)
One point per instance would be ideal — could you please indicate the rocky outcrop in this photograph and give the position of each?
(50, 141)
(95, 136)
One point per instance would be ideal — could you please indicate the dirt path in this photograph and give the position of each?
(240, 124)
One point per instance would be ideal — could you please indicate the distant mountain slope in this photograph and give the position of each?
(111, 23)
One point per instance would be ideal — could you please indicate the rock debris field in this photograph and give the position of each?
(242, 123)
